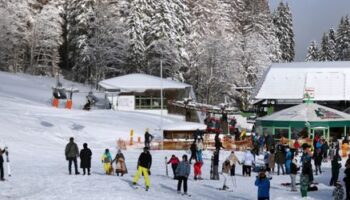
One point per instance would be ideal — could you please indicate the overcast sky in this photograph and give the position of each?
(311, 18)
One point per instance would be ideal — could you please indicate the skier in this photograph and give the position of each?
(148, 138)
(174, 161)
(85, 159)
(119, 159)
(2, 164)
(143, 167)
(288, 160)
(215, 165)
(338, 191)
(197, 170)
(335, 169)
(293, 174)
(106, 159)
(193, 149)
(280, 159)
(72, 152)
(233, 161)
(306, 176)
(182, 173)
(318, 160)
(346, 180)
(263, 184)
(248, 161)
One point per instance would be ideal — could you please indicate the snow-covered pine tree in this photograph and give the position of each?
(332, 45)
(325, 53)
(343, 39)
(283, 22)
(312, 52)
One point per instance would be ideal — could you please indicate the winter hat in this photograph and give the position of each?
(184, 157)
(85, 145)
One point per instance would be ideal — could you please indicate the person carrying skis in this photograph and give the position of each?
(174, 161)
(263, 184)
(182, 173)
(143, 167)
(193, 149)
(2, 174)
(335, 169)
(248, 161)
(306, 176)
(85, 159)
(119, 159)
(293, 174)
(106, 159)
(72, 152)
(148, 138)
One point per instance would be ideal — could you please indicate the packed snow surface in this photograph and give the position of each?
(36, 135)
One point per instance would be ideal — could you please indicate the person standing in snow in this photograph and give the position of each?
(306, 176)
(325, 148)
(280, 159)
(293, 174)
(288, 160)
(174, 161)
(85, 159)
(197, 168)
(148, 138)
(248, 161)
(318, 156)
(263, 184)
(200, 147)
(72, 152)
(272, 161)
(226, 168)
(2, 164)
(143, 167)
(182, 172)
(232, 158)
(335, 169)
(106, 159)
(193, 149)
(119, 159)
(215, 165)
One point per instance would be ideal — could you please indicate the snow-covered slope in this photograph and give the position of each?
(36, 135)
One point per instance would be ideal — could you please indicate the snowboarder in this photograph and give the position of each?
(293, 174)
(306, 176)
(106, 159)
(248, 161)
(119, 159)
(280, 159)
(193, 149)
(338, 191)
(288, 160)
(72, 152)
(318, 156)
(346, 180)
(197, 168)
(263, 184)
(2, 164)
(148, 138)
(174, 161)
(335, 169)
(233, 161)
(85, 159)
(182, 172)
(143, 167)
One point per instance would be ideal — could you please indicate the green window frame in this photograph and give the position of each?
(149, 103)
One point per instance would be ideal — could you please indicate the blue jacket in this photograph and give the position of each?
(289, 155)
(263, 187)
(183, 169)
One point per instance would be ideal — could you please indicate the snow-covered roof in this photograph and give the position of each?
(140, 83)
(330, 81)
(184, 126)
(307, 112)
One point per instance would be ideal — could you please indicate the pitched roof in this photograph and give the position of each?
(140, 83)
(329, 80)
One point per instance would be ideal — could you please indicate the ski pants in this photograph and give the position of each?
(278, 168)
(293, 181)
(144, 171)
(88, 170)
(179, 183)
(174, 166)
(1, 171)
(334, 179)
(74, 160)
(304, 185)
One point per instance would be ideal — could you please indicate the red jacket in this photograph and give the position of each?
(174, 161)
(296, 145)
(197, 168)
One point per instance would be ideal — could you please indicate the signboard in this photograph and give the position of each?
(126, 103)
(309, 93)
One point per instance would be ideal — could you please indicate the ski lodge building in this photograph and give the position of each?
(287, 84)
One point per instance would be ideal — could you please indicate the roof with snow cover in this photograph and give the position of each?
(140, 83)
(329, 80)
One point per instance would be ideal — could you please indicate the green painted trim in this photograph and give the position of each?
(301, 124)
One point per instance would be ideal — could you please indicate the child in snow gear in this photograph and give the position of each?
(293, 174)
(338, 191)
(148, 139)
(193, 149)
(2, 164)
(197, 170)
(72, 152)
(174, 161)
(182, 172)
(248, 161)
(346, 180)
(263, 184)
(318, 156)
(335, 169)
(143, 167)
(119, 159)
(106, 159)
(85, 159)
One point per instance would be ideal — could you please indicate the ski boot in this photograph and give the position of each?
(225, 187)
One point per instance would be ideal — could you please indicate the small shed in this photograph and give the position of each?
(179, 136)
(305, 121)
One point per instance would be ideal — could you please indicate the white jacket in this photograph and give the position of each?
(248, 159)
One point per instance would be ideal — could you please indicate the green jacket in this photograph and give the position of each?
(72, 150)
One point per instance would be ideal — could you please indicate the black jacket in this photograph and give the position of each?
(148, 137)
(293, 168)
(1, 156)
(145, 160)
(85, 158)
(193, 148)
